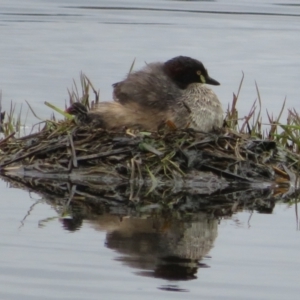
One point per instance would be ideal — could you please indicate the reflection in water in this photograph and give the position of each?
(163, 235)
(71, 224)
(161, 246)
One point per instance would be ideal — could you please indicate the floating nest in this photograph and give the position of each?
(178, 160)
(132, 164)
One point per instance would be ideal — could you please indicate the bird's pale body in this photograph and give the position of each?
(198, 108)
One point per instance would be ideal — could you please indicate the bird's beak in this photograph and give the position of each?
(211, 81)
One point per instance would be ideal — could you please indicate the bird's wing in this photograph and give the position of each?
(148, 87)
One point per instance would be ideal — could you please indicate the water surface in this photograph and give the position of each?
(45, 44)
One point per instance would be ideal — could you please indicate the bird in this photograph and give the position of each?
(174, 91)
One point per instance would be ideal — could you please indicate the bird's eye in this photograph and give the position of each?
(202, 77)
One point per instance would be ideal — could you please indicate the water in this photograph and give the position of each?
(251, 255)
(45, 44)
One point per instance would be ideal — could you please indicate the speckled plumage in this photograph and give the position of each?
(198, 108)
(160, 92)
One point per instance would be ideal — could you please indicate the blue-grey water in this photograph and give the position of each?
(45, 44)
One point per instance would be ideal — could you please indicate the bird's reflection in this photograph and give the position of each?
(159, 246)
(166, 236)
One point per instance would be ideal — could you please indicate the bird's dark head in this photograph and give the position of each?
(77, 109)
(185, 70)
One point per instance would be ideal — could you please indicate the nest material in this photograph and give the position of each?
(65, 149)
(90, 171)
